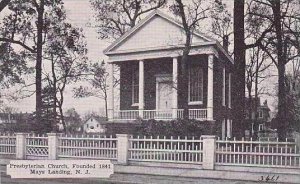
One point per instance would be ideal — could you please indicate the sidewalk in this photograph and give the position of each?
(123, 178)
(149, 175)
(120, 178)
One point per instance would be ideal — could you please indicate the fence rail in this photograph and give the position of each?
(154, 149)
(7, 144)
(100, 147)
(37, 145)
(175, 150)
(257, 153)
(198, 114)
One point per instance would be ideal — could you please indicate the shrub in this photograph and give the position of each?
(179, 127)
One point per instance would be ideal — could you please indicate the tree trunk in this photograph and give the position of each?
(105, 99)
(281, 60)
(256, 91)
(38, 67)
(281, 117)
(54, 90)
(250, 102)
(184, 85)
(62, 117)
(239, 69)
(183, 77)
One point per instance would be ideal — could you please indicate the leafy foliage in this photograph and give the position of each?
(38, 31)
(179, 127)
(26, 27)
(73, 120)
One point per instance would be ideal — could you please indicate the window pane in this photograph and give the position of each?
(135, 86)
(195, 82)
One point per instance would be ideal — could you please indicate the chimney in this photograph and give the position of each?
(225, 42)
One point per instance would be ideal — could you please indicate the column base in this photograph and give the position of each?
(110, 114)
(141, 113)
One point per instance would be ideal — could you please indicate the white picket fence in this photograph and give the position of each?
(98, 147)
(7, 144)
(181, 150)
(257, 153)
(174, 150)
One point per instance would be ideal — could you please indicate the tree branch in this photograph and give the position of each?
(18, 43)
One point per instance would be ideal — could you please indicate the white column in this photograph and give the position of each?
(209, 151)
(175, 85)
(53, 145)
(110, 100)
(210, 88)
(141, 88)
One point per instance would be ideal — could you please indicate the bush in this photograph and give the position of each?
(179, 127)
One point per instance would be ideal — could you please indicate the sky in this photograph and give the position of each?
(80, 13)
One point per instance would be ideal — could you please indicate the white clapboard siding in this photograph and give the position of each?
(7, 144)
(257, 153)
(85, 146)
(174, 150)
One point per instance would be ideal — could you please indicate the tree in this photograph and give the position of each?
(256, 68)
(239, 68)
(12, 66)
(280, 40)
(114, 18)
(66, 50)
(222, 23)
(49, 117)
(191, 15)
(98, 86)
(293, 99)
(26, 26)
(73, 120)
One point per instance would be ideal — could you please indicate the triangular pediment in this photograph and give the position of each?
(155, 32)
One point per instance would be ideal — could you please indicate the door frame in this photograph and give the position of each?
(160, 78)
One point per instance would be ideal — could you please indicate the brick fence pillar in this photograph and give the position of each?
(122, 148)
(21, 146)
(52, 146)
(209, 151)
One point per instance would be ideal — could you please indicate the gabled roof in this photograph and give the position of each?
(199, 39)
(99, 119)
(145, 21)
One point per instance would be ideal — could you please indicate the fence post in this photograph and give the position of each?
(297, 139)
(122, 148)
(52, 146)
(21, 145)
(209, 151)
